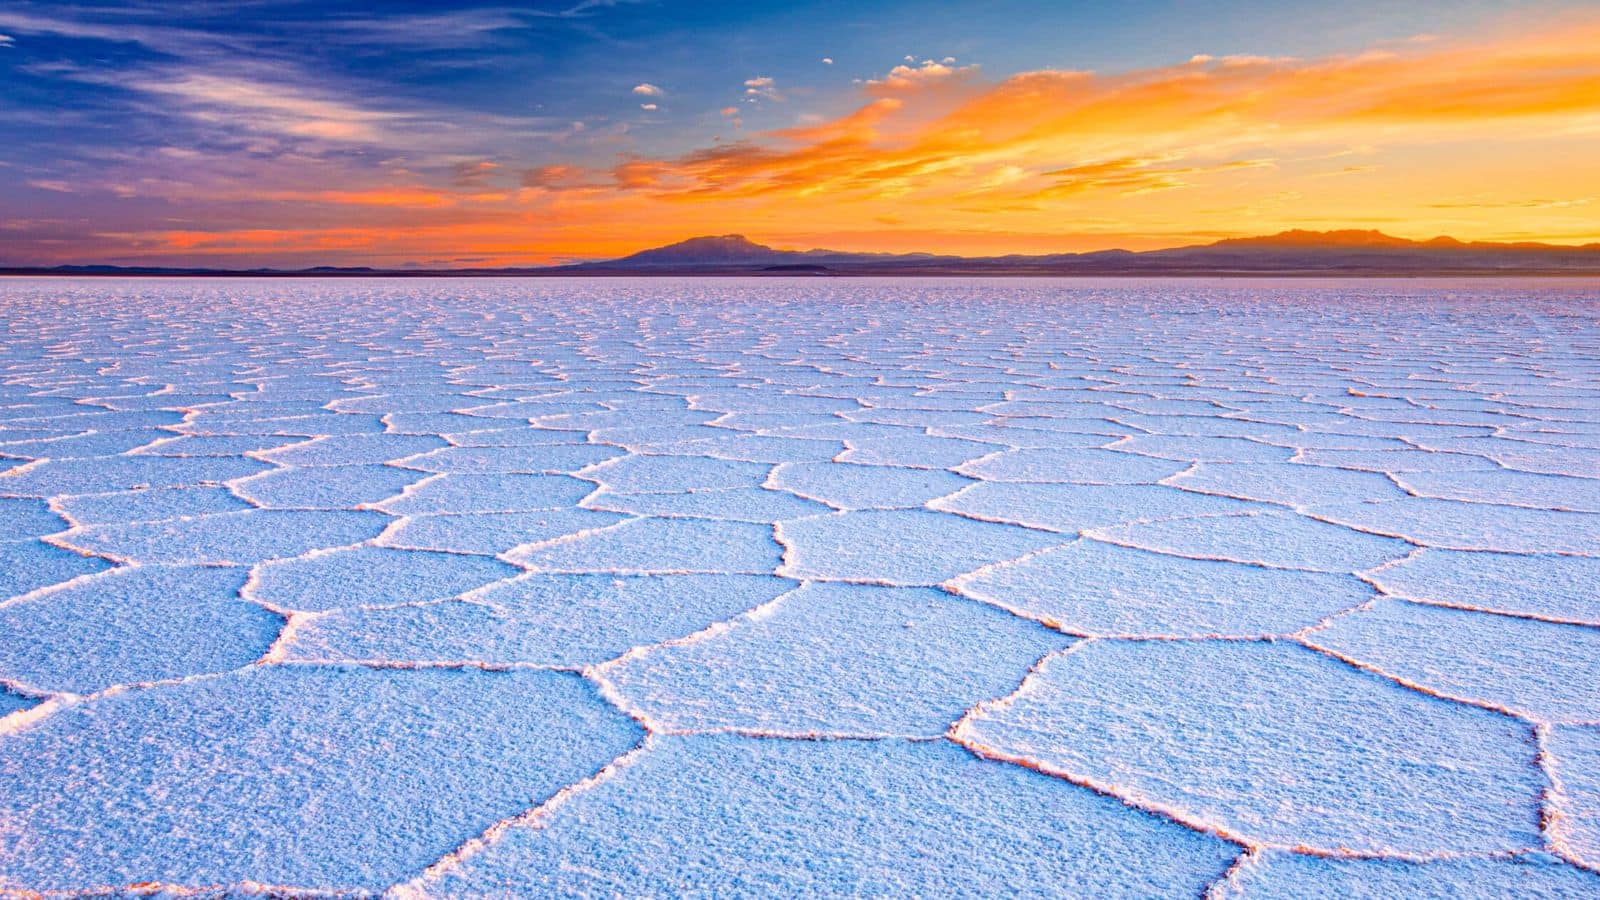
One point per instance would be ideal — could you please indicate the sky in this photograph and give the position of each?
(272, 133)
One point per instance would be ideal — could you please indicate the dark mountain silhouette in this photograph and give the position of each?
(738, 250)
(728, 249)
(1289, 253)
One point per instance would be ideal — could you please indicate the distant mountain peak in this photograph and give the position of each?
(709, 250)
(719, 242)
(1299, 237)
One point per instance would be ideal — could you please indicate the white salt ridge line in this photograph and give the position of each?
(1408, 684)
(598, 673)
(1192, 462)
(1227, 886)
(785, 568)
(533, 568)
(162, 889)
(958, 587)
(385, 538)
(61, 541)
(296, 618)
(1421, 544)
(416, 665)
(1554, 817)
(1373, 577)
(1506, 613)
(960, 734)
(18, 471)
(60, 700)
(814, 735)
(1397, 477)
(293, 621)
(1088, 533)
(1302, 635)
(25, 691)
(1094, 534)
(769, 483)
(75, 581)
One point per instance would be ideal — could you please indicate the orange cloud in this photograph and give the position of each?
(1052, 123)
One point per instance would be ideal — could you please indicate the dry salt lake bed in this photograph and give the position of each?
(795, 587)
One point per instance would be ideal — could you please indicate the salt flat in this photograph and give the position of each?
(798, 587)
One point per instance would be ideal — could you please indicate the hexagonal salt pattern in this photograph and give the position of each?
(871, 660)
(134, 625)
(280, 775)
(1272, 743)
(799, 587)
(904, 818)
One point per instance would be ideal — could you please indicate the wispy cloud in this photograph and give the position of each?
(76, 22)
(473, 173)
(1349, 170)
(1516, 204)
(448, 30)
(762, 87)
(588, 7)
(271, 108)
(247, 91)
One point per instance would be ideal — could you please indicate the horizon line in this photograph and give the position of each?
(1352, 239)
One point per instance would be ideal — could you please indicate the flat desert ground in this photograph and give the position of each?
(787, 587)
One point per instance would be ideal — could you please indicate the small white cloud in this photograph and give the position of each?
(1246, 59)
(827, 60)
(648, 90)
(927, 73)
(7, 40)
(762, 87)
(1237, 59)
(60, 187)
(651, 107)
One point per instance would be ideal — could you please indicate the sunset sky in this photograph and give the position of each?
(300, 133)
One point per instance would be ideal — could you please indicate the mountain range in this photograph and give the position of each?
(1289, 253)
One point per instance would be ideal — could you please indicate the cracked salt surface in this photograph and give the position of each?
(795, 587)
